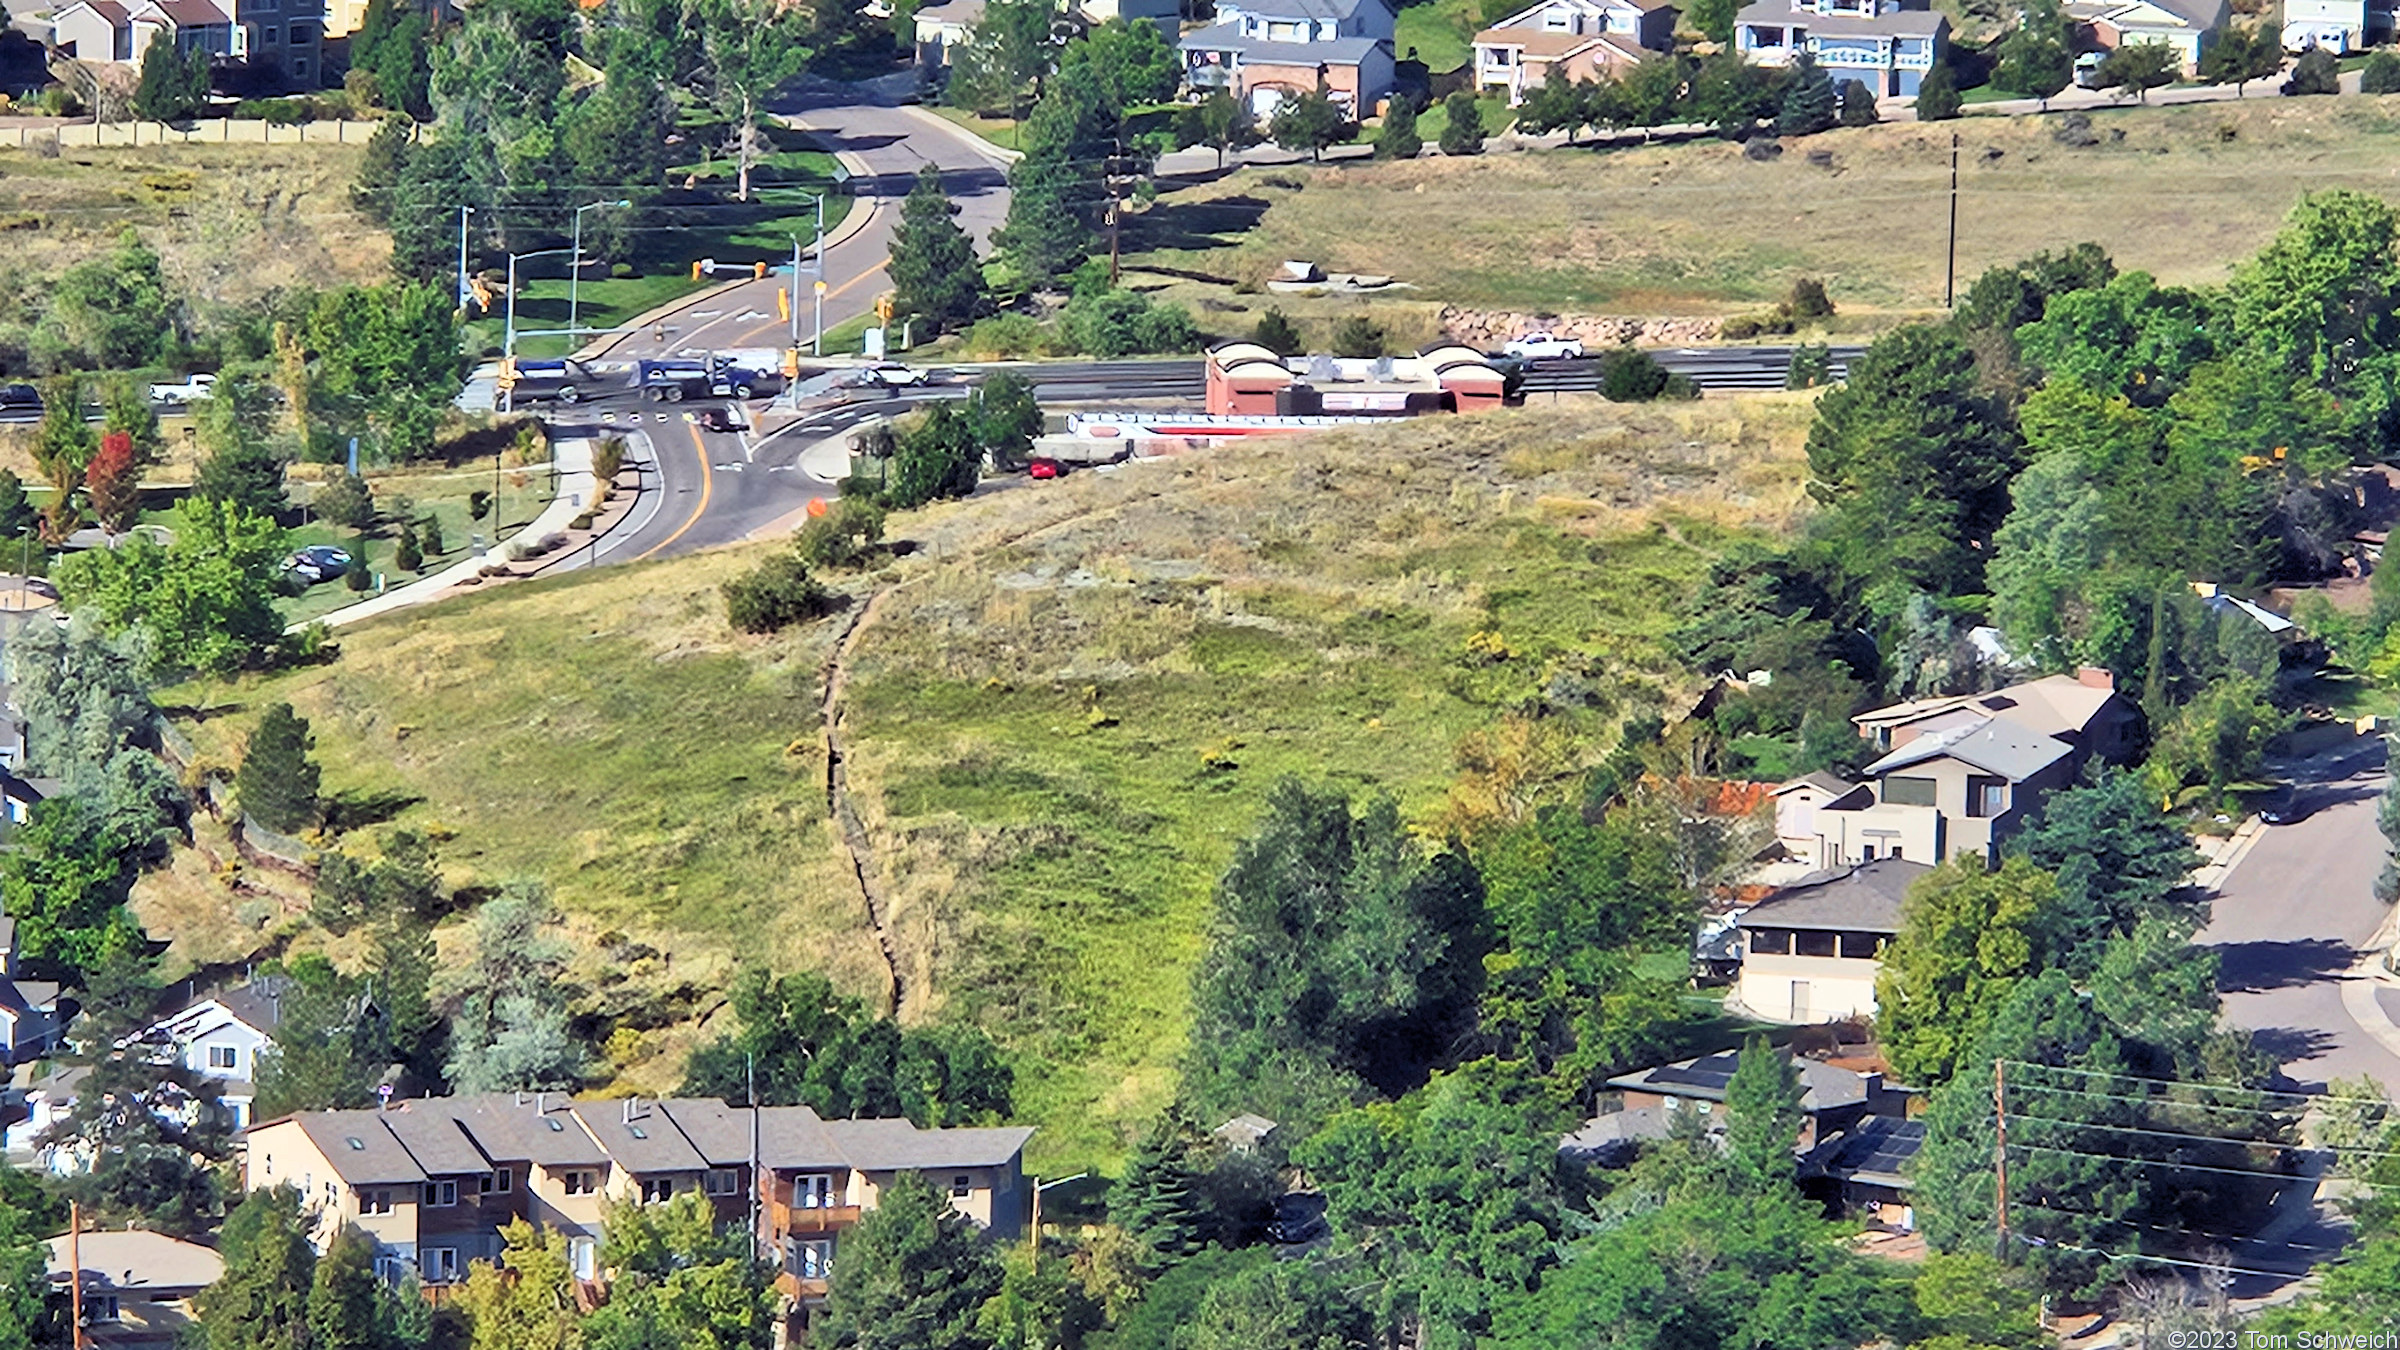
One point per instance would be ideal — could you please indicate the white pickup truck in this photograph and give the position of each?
(192, 390)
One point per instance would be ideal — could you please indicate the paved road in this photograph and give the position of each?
(883, 144)
(2295, 914)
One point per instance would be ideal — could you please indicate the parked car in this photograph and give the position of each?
(1045, 468)
(1544, 347)
(720, 418)
(20, 403)
(192, 390)
(2086, 67)
(318, 562)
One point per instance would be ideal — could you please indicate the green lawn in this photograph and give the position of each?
(441, 493)
(1063, 710)
(1000, 131)
(1441, 32)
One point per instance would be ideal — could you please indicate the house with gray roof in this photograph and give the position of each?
(221, 1036)
(433, 1181)
(1263, 51)
(31, 1016)
(1811, 951)
(1832, 1098)
(1886, 45)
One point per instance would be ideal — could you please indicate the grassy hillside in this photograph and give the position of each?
(1060, 708)
(231, 222)
(1696, 228)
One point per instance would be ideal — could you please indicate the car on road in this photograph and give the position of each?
(317, 562)
(894, 375)
(193, 389)
(720, 419)
(20, 403)
(1044, 468)
(1544, 347)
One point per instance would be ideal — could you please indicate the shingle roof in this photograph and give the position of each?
(879, 1145)
(1901, 23)
(363, 1151)
(1822, 1086)
(434, 1139)
(1336, 10)
(537, 1128)
(1227, 37)
(1995, 746)
(647, 1144)
(189, 13)
(106, 9)
(1860, 899)
(1543, 45)
(136, 1259)
(260, 1002)
(720, 1132)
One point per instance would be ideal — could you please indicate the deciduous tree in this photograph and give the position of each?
(913, 1275)
(1967, 936)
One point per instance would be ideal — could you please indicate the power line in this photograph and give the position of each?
(2164, 1102)
(2163, 1134)
(2158, 1162)
(2155, 1228)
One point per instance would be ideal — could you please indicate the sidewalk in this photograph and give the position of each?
(574, 459)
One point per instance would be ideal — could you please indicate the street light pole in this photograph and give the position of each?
(463, 213)
(508, 339)
(816, 342)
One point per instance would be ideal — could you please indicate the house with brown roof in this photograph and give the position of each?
(1263, 51)
(1577, 39)
(192, 25)
(433, 1181)
(137, 1285)
(1811, 951)
(93, 30)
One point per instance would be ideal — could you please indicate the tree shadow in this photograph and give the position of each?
(355, 808)
(2289, 1044)
(2256, 967)
(1192, 226)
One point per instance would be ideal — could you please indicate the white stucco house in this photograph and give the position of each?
(220, 1038)
(1811, 951)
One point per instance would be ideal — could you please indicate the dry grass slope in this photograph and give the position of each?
(1060, 716)
(2183, 192)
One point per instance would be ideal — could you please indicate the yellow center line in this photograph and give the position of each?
(707, 478)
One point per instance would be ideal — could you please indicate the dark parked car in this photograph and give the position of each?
(20, 403)
(317, 562)
(720, 419)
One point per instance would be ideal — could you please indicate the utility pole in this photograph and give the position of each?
(750, 1070)
(575, 277)
(75, 1274)
(1950, 271)
(2000, 1146)
(794, 289)
(1109, 173)
(463, 291)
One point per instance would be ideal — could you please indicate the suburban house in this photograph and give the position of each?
(137, 1285)
(944, 28)
(45, 1102)
(93, 30)
(2187, 26)
(31, 1019)
(1887, 45)
(1262, 50)
(1577, 39)
(432, 1181)
(1832, 1099)
(220, 1037)
(1864, 1170)
(1811, 951)
(1796, 806)
(285, 35)
(2341, 26)
(193, 25)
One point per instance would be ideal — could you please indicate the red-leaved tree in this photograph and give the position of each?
(112, 482)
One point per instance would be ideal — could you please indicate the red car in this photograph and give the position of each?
(1045, 468)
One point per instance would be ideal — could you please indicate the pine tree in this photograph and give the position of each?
(913, 1275)
(1462, 131)
(278, 781)
(342, 1311)
(1158, 1202)
(1762, 1124)
(935, 276)
(1937, 95)
(1858, 105)
(1398, 138)
(1276, 333)
(407, 554)
(24, 1282)
(1809, 102)
(172, 84)
(262, 1299)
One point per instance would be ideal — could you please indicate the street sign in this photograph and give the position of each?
(874, 344)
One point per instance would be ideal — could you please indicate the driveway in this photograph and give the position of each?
(2296, 912)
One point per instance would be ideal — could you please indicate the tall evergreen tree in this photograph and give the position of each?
(278, 781)
(1158, 1202)
(2037, 58)
(1398, 137)
(1462, 124)
(913, 1275)
(342, 1298)
(1858, 105)
(261, 1302)
(1762, 1117)
(173, 83)
(1938, 99)
(935, 276)
(1809, 102)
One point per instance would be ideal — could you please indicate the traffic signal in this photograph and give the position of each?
(783, 304)
(758, 271)
(696, 266)
(883, 308)
(791, 363)
(508, 371)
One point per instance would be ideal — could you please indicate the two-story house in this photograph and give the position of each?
(1263, 50)
(2342, 26)
(220, 1037)
(1887, 45)
(433, 1181)
(1576, 39)
(2185, 26)
(1811, 951)
(1959, 773)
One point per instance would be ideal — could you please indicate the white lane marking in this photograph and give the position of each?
(704, 313)
(727, 468)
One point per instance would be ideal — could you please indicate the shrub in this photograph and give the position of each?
(1858, 105)
(778, 593)
(1005, 337)
(282, 112)
(845, 536)
(1462, 132)
(1276, 333)
(1812, 365)
(1399, 138)
(608, 459)
(1808, 299)
(1358, 335)
(406, 554)
(620, 271)
(429, 536)
(346, 501)
(1628, 375)
(1112, 323)
(2316, 72)
(479, 504)
(2381, 74)
(1938, 98)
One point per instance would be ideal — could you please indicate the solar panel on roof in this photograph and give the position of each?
(1715, 1071)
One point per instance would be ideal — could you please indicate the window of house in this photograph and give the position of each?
(583, 1254)
(102, 1308)
(579, 1182)
(812, 1260)
(656, 1189)
(300, 67)
(224, 1057)
(377, 1201)
(1502, 56)
(441, 1194)
(1557, 21)
(440, 1265)
(812, 1192)
(1908, 791)
(961, 1186)
(1818, 944)
(1986, 797)
(299, 35)
(723, 1181)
